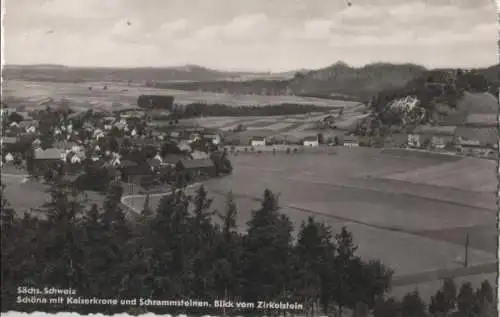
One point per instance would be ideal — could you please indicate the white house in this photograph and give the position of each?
(258, 141)
(214, 138)
(351, 141)
(9, 158)
(413, 140)
(311, 141)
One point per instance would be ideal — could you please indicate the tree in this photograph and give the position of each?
(484, 302)
(320, 138)
(465, 300)
(346, 266)
(267, 247)
(449, 295)
(203, 241)
(170, 147)
(62, 247)
(412, 305)
(146, 210)
(313, 250)
(485, 292)
(227, 268)
(228, 218)
(387, 308)
(438, 305)
(7, 212)
(15, 117)
(373, 282)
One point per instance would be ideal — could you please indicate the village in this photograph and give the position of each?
(130, 146)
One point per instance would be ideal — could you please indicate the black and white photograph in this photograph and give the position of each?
(294, 158)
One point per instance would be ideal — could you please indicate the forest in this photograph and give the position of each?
(186, 250)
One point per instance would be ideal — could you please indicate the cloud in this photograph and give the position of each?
(97, 32)
(174, 26)
(240, 28)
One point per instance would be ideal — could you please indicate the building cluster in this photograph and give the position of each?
(123, 144)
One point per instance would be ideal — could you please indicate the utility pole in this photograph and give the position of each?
(225, 298)
(466, 260)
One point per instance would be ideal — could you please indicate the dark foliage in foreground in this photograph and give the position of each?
(184, 250)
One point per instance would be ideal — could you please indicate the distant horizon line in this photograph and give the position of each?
(234, 70)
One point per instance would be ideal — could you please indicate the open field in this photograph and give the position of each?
(27, 196)
(415, 228)
(80, 95)
(482, 118)
(468, 174)
(389, 221)
(297, 126)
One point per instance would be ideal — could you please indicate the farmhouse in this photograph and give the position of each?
(195, 169)
(258, 141)
(9, 141)
(439, 136)
(173, 159)
(477, 140)
(311, 141)
(48, 159)
(214, 138)
(132, 172)
(29, 125)
(350, 141)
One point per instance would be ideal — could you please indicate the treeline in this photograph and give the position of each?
(339, 80)
(360, 83)
(187, 250)
(216, 110)
(256, 86)
(182, 250)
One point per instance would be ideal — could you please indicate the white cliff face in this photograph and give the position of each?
(407, 103)
(408, 109)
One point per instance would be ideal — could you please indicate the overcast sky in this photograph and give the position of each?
(266, 35)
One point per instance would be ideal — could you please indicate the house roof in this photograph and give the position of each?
(9, 140)
(49, 154)
(127, 163)
(198, 163)
(350, 139)
(28, 123)
(64, 144)
(137, 169)
(71, 178)
(485, 135)
(311, 138)
(173, 158)
(258, 138)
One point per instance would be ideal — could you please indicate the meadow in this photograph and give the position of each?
(412, 228)
(126, 96)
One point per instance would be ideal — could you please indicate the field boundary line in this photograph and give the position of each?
(484, 209)
(349, 220)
